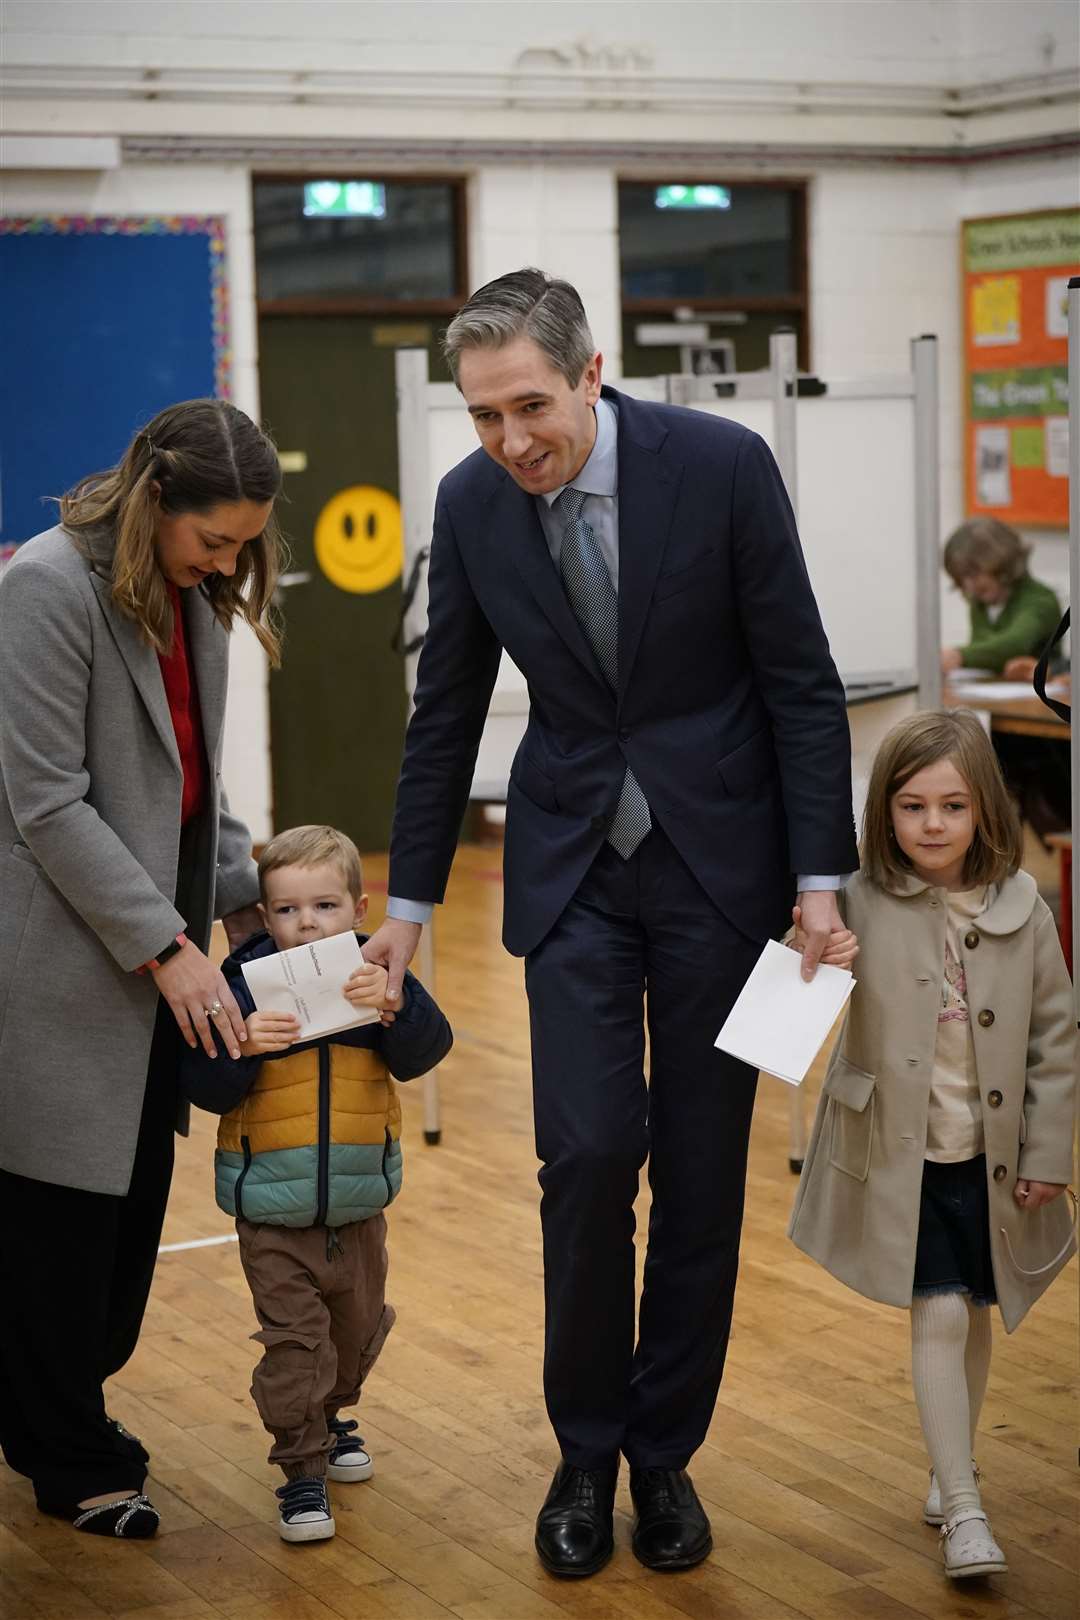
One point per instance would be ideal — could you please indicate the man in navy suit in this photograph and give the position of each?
(685, 769)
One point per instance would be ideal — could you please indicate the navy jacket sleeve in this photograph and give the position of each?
(220, 1084)
(454, 682)
(792, 665)
(419, 1037)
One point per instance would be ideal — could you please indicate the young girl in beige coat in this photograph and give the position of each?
(943, 1138)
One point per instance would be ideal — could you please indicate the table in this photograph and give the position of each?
(1016, 716)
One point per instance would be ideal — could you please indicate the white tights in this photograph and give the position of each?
(950, 1363)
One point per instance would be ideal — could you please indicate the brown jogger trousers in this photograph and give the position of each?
(319, 1295)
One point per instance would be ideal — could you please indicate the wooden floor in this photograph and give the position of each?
(813, 1472)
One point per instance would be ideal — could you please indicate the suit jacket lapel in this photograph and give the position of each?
(142, 663)
(515, 522)
(648, 490)
(208, 650)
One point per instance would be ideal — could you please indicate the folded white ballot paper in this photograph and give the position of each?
(308, 981)
(780, 1022)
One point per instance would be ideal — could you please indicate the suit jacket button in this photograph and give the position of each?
(599, 823)
(986, 1018)
(971, 939)
(624, 735)
(994, 1099)
(1000, 1172)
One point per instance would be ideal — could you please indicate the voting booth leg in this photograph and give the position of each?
(426, 965)
(796, 1130)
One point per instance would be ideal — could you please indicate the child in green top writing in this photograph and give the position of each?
(1012, 615)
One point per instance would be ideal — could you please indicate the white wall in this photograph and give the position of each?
(177, 189)
(562, 218)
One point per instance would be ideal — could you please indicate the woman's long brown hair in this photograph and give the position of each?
(192, 457)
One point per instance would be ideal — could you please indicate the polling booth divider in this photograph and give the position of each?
(859, 458)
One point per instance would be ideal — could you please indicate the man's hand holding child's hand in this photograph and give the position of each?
(270, 1032)
(841, 950)
(367, 988)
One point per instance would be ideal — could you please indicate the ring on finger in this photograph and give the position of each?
(214, 1009)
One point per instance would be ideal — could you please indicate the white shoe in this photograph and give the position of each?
(305, 1511)
(932, 1513)
(969, 1548)
(348, 1460)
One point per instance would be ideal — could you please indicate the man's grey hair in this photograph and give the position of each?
(526, 303)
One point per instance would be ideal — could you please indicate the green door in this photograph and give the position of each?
(337, 705)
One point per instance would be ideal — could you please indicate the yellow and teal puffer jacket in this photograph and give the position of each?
(312, 1136)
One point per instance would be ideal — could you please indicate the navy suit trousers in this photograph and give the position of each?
(639, 942)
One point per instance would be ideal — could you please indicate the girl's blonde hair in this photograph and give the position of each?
(922, 740)
(200, 454)
(313, 845)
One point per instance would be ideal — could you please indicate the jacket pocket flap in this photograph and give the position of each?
(744, 767)
(850, 1085)
(534, 783)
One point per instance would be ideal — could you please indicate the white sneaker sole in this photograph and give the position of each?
(348, 1474)
(317, 1530)
(989, 1566)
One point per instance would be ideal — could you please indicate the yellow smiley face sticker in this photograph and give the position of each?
(358, 541)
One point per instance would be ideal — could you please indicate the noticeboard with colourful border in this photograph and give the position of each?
(1016, 270)
(104, 320)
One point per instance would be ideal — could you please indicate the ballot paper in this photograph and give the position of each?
(308, 981)
(780, 1022)
(991, 691)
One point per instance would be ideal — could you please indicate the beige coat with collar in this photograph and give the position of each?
(857, 1207)
(90, 791)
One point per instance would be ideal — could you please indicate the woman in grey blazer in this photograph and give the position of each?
(117, 850)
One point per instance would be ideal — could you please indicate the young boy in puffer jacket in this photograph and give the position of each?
(308, 1156)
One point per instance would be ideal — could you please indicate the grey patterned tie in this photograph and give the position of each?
(595, 602)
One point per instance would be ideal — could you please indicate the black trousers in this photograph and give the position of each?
(75, 1274)
(639, 934)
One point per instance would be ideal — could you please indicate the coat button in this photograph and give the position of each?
(624, 735)
(1000, 1172)
(986, 1018)
(914, 1062)
(971, 939)
(599, 823)
(994, 1099)
(934, 902)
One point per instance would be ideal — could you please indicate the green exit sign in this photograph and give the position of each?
(693, 197)
(344, 199)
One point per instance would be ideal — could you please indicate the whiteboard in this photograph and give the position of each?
(856, 510)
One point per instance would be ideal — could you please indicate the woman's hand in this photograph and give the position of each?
(193, 986)
(270, 1032)
(840, 951)
(1034, 1194)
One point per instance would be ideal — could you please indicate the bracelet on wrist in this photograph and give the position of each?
(171, 949)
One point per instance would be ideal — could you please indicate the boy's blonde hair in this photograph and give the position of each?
(922, 740)
(985, 546)
(313, 845)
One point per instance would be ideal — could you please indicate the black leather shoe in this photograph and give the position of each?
(671, 1530)
(574, 1528)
